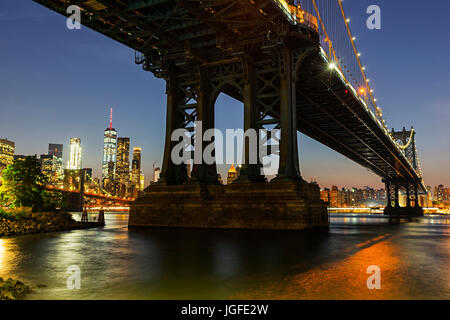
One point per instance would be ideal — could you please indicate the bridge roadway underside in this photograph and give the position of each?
(252, 52)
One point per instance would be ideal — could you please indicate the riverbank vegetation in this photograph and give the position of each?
(12, 289)
(27, 207)
(23, 185)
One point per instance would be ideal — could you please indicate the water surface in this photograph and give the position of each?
(121, 263)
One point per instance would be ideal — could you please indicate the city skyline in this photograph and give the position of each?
(76, 107)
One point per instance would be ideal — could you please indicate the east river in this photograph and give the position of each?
(116, 262)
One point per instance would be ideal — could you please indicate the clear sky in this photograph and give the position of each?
(56, 84)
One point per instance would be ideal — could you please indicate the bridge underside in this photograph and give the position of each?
(252, 52)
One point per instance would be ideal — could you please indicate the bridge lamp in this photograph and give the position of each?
(348, 20)
(353, 38)
(361, 90)
(364, 68)
(359, 54)
(332, 65)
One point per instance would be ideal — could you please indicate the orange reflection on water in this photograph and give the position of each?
(345, 278)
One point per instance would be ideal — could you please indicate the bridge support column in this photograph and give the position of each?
(408, 194)
(288, 167)
(396, 187)
(388, 193)
(250, 172)
(416, 194)
(171, 173)
(203, 173)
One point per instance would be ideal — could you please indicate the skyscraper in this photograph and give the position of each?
(156, 173)
(48, 167)
(123, 164)
(75, 154)
(6, 154)
(109, 149)
(136, 166)
(56, 150)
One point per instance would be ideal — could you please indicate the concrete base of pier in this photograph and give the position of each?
(404, 211)
(269, 206)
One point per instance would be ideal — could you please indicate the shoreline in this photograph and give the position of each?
(42, 223)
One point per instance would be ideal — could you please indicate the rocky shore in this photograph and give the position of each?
(40, 223)
(12, 289)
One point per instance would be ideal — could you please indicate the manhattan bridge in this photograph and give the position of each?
(294, 65)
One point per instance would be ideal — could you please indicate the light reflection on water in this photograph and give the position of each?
(118, 263)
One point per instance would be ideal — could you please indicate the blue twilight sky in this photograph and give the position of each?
(56, 84)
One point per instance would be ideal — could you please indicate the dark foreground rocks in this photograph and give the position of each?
(12, 289)
(41, 222)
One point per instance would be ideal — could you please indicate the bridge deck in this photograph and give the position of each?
(327, 109)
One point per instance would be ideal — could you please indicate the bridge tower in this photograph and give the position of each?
(407, 143)
(261, 70)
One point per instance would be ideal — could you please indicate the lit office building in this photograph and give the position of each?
(75, 154)
(123, 165)
(6, 154)
(136, 166)
(56, 150)
(109, 151)
(48, 167)
(156, 174)
(123, 160)
(142, 182)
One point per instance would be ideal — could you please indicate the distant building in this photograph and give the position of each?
(6, 154)
(325, 195)
(72, 179)
(136, 166)
(109, 183)
(156, 174)
(142, 182)
(88, 175)
(232, 175)
(19, 157)
(335, 200)
(109, 150)
(75, 154)
(55, 150)
(123, 165)
(439, 193)
(48, 167)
